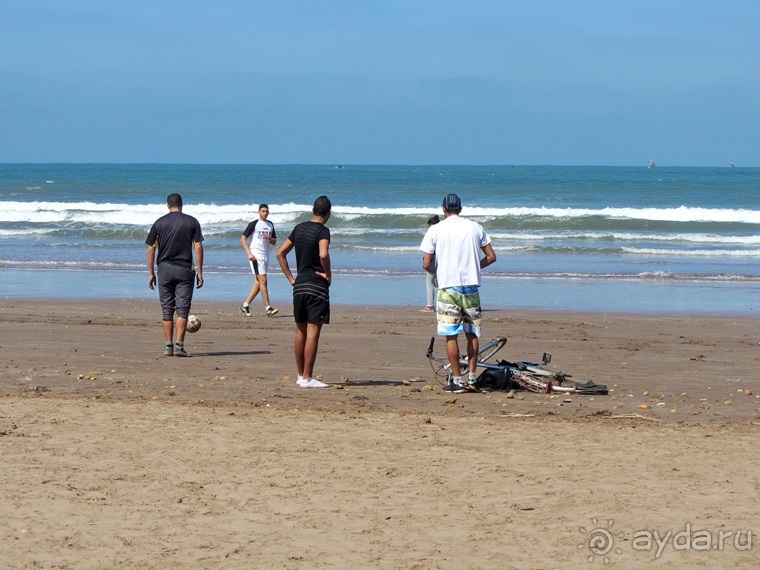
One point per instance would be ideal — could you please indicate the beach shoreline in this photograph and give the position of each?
(524, 293)
(117, 456)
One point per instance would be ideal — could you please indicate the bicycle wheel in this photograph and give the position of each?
(490, 348)
(484, 353)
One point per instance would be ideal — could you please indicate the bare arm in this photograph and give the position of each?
(151, 267)
(199, 264)
(282, 259)
(490, 256)
(428, 263)
(244, 243)
(324, 257)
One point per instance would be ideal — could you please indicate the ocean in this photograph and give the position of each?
(608, 239)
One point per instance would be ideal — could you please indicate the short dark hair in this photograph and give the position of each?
(174, 201)
(322, 206)
(433, 220)
(262, 206)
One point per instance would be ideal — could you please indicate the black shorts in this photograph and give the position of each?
(311, 304)
(175, 290)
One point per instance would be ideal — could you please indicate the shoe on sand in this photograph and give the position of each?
(313, 383)
(455, 388)
(179, 350)
(245, 310)
(271, 311)
(169, 351)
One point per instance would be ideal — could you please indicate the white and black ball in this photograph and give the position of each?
(193, 324)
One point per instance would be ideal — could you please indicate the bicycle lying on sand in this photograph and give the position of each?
(505, 375)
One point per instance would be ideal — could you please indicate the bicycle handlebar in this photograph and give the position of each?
(430, 348)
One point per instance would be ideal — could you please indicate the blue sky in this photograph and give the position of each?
(381, 82)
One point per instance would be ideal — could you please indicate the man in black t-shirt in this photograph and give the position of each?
(311, 288)
(175, 236)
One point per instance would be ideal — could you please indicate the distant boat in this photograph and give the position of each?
(730, 164)
(651, 164)
(339, 166)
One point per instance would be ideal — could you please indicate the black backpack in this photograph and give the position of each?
(496, 379)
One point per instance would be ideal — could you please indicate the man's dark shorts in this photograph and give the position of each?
(311, 304)
(175, 289)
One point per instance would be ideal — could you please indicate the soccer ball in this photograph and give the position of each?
(193, 324)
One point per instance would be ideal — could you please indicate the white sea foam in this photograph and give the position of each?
(680, 214)
(713, 239)
(134, 214)
(692, 252)
(145, 214)
(67, 264)
(396, 249)
(25, 232)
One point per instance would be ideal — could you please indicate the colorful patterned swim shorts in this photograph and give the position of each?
(458, 310)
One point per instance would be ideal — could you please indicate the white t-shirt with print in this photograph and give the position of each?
(259, 231)
(457, 245)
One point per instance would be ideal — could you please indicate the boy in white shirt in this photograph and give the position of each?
(262, 235)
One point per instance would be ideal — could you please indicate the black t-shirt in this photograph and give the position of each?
(306, 237)
(174, 235)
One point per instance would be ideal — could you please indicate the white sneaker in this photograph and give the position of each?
(300, 380)
(313, 383)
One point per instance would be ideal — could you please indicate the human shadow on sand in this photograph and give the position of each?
(349, 383)
(232, 353)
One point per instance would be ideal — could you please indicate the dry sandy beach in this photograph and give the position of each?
(115, 456)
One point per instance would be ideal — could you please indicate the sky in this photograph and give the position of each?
(381, 82)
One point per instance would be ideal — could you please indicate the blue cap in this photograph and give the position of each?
(452, 203)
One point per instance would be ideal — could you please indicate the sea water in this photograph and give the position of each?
(638, 239)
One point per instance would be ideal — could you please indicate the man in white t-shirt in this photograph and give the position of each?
(262, 235)
(455, 244)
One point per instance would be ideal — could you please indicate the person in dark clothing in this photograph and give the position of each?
(176, 236)
(311, 287)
